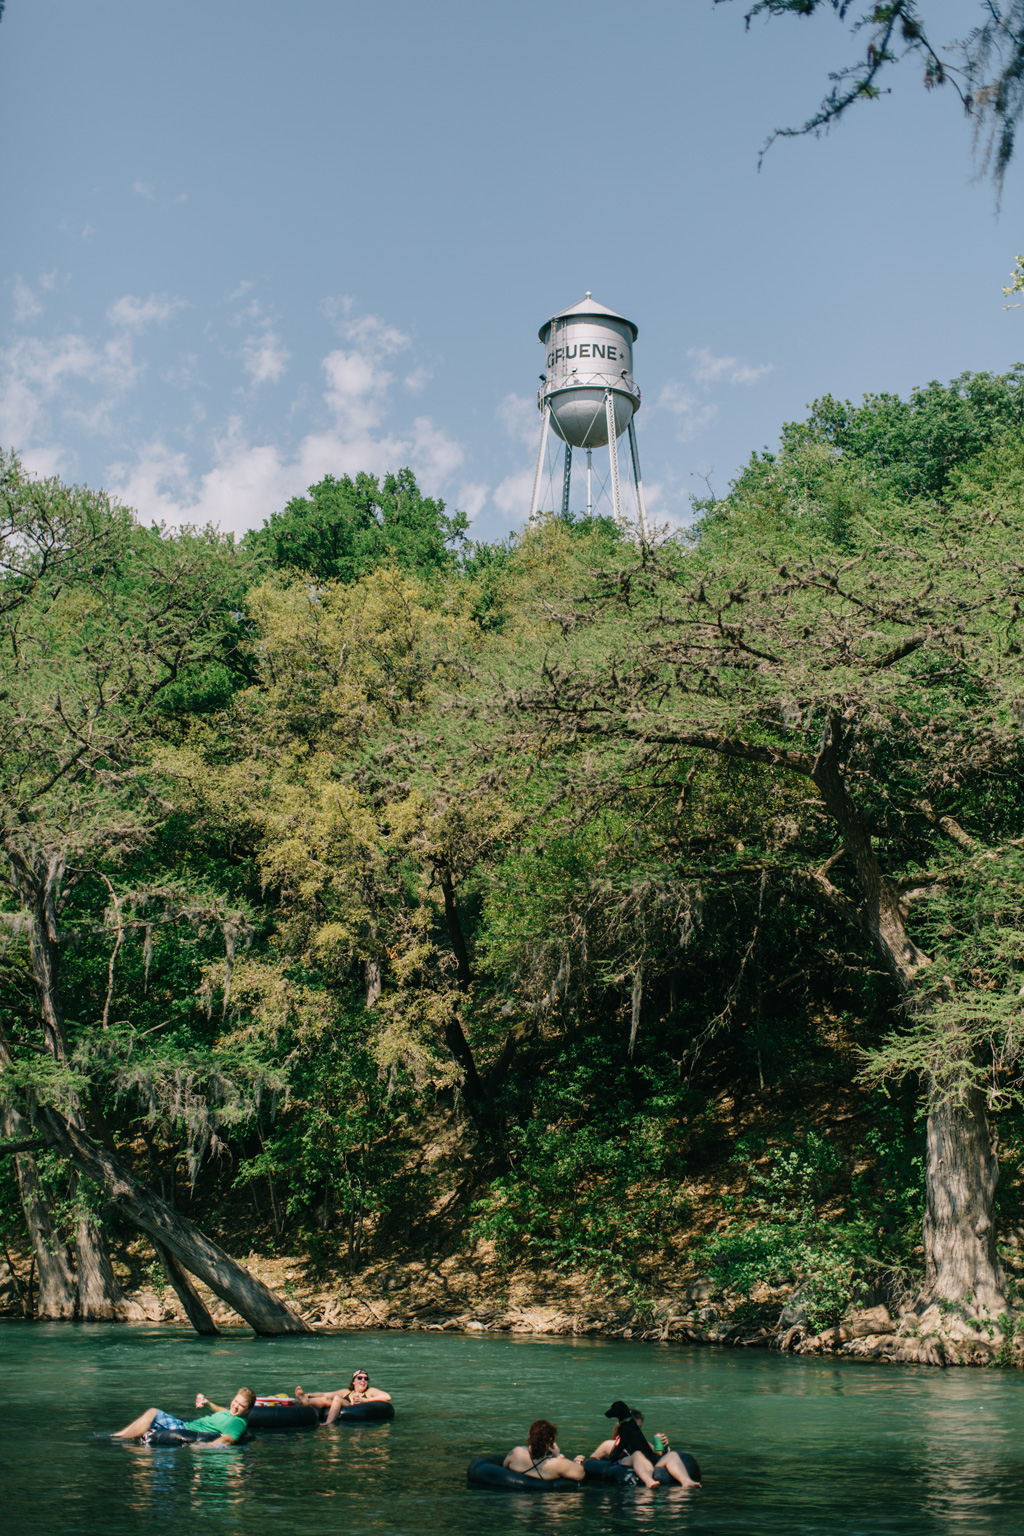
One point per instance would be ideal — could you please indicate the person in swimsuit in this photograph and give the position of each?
(357, 1391)
(540, 1456)
(229, 1424)
(630, 1448)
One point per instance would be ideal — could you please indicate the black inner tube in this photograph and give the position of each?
(614, 1471)
(362, 1413)
(283, 1416)
(490, 1472)
(182, 1436)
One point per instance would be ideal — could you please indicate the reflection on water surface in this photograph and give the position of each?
(787, 1446)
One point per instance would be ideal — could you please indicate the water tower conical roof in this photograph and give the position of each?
(586, 306)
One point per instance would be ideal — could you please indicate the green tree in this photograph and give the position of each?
(878, 666)
(346, 528)
(100, 616)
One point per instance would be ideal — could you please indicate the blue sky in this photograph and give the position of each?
(246, 244)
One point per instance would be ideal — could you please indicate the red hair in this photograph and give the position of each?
(541, 1438)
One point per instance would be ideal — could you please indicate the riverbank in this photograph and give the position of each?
(458, 1295)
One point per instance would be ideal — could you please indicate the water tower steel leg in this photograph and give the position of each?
(566, 477)
(641, 505)
(544, 424)
(590, 485)
(613, 452)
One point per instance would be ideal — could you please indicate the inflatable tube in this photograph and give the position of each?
(488, 1472)
(282, 1413)
(610, 1472)
(180, 1436)
(690, 1463)
(361, 1413)
(615, 1472)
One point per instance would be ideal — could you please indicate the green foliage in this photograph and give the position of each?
(805, 1221)
(346, 528)
(595, 1185)
(846, 463)
(370, 831)
(326, 1154)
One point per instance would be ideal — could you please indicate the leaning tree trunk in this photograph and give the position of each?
(265, 1312)
(58, 1290)
(195, 1307)
(38, 879)
(962, 1266)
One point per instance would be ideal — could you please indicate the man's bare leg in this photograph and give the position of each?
(138, 1426)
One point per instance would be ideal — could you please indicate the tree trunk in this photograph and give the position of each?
(195, 1307)
(58, 1291)
(265, 1312)
(100, 1297)
(38, 879)
(476, 1094)
(961, 1263)
(962, 1266)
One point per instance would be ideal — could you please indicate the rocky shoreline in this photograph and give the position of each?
(874, 1335)
(434, 1305)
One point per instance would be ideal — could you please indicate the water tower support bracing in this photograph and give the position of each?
(613, 453)
(542, 450)
(566, 477)
(590, 484)
(641, 505)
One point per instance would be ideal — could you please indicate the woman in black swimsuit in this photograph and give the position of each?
(540, 1457)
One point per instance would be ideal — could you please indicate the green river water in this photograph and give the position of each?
(795, 1446)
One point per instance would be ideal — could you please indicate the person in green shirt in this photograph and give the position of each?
(229, 1424)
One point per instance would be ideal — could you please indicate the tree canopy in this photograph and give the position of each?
(346, 528)
(322, 853)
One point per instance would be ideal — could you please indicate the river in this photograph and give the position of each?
(786, 1445)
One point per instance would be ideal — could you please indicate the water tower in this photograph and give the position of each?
(588, 396)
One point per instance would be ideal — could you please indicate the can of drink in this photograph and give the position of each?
(660, 1444)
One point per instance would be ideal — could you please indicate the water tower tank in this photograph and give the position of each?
(588, 351)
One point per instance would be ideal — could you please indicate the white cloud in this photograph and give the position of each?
(250, 480)
(132, 314)
(26, 305)
(144, 189)
(691, 413)
(416, 381)
(367, 331)
(356, 386)
(519, 416)
(67, 377)
(434, 456)
(512, 496)
(264, 357)
(239, 293)
(709, 369)
(373, 332)
(471, 498)
(338, 309)
(50, 386)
